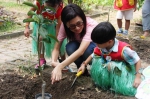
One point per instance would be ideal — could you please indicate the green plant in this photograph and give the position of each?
(41, 31)
(40, 20)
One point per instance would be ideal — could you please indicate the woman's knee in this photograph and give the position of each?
(72, 47)
(89, 50)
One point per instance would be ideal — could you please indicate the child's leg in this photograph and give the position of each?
(41, 52)
(119, 21)
(127, 24)
(128, 16)
(146, 24)
(41, 48)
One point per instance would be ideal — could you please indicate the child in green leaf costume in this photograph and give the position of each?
(115, 66)
(51, 12)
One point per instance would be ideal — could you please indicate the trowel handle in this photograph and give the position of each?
(79, 73)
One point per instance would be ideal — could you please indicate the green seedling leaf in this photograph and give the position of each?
(117, 71)
(30, 4)
(47, 21)
(47, 40)
(28, 20)
(31, 13)
(36, 18)
(43, 32)
(52, 36)
(41, 18)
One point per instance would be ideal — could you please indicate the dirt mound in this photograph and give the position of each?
(14, 86)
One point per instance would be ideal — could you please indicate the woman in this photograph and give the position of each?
(77, 29)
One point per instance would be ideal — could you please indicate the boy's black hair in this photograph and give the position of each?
(69, 12)
(54, 2)
(103, 32)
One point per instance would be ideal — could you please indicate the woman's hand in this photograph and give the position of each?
(54, 64)
(82, 68)
(27, 32)
(56, 74)
(137, 80)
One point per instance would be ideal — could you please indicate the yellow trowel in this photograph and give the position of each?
(77, 75)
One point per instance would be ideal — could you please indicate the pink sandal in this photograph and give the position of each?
(42, 62)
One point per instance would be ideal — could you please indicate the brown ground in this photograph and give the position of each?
(18, 83)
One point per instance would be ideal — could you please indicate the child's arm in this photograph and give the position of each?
(27, 26)
(84, 64)
(137, 79)
(132, 58)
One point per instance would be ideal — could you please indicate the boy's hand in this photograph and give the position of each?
(82, 68)
(137, 80)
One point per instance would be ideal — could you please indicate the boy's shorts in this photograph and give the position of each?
(127, 14)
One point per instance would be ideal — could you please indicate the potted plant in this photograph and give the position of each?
(41, 31)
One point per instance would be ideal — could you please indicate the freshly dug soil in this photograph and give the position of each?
(14, 86)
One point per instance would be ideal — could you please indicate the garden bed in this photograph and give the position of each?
(17, 84)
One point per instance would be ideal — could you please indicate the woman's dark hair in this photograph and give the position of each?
(103, 32)
(54, 2)
(68, 13)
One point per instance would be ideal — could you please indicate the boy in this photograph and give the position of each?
(114, 65)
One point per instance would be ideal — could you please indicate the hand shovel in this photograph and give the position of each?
(77, 75)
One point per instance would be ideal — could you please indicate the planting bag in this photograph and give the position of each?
(114, 75)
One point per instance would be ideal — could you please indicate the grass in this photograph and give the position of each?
(9, 26)
(13, 6)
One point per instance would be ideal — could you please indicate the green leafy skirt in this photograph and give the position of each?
(114, 75)
(48, 47)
